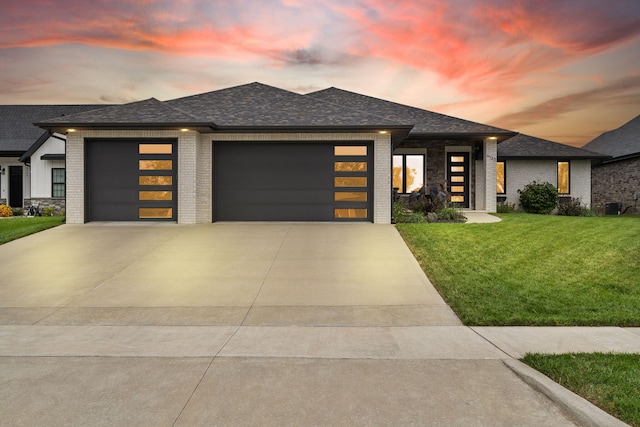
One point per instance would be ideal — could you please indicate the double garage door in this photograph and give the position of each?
(137, 180)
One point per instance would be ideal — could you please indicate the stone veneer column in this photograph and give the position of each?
(490, 159)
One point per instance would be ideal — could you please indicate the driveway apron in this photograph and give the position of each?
(241, 324)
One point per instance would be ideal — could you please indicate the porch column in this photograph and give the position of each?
(490, 159)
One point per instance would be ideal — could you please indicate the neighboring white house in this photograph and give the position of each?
(524, 159)
(30, 159)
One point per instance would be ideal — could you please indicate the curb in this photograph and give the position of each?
(577, 408)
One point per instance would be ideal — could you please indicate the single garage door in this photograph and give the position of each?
(130, 180)
(292, 181)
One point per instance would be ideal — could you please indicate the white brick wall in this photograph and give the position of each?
(204, 191)
(187, 177)
(195, 162)
(490, 159)
(519, 173)
(75, 178)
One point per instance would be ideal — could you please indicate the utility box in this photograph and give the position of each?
(613, 208)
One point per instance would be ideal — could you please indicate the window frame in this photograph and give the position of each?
(504, 178)
(56, 184)
(403, 174)
(568, 177)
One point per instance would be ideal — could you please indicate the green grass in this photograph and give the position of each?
(534, 269)
(609, 381)
(15, 228)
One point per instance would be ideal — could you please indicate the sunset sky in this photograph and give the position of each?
(564, 70)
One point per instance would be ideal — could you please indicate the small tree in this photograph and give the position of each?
(539, 198)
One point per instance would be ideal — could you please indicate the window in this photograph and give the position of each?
(58, 186)
(563, 177)
(408, 172)
(501, 178)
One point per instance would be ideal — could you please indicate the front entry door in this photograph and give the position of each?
(15, 187)
(458, 178)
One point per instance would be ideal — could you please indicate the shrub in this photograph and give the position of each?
(539, 198)
(569, 207)
(414, 217)
(17, 211)
(585, 211)
(47, 212)
(451, 214)
(504, 207)
(5, 211)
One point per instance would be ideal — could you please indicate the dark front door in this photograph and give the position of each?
(458, 178)
(15, 187)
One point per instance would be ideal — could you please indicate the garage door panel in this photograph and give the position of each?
(279, 182)
(114, 188)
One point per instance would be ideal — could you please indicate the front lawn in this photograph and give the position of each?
(534, 269)
(14, 228)
(609, 381)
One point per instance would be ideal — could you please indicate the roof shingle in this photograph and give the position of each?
(426, 123)
(17, 131)
(529, 147)
(624, 141)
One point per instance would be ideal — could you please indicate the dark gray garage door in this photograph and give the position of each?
(292, 182)
(130, 180)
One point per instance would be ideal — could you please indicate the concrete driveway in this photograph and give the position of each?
(241, 324)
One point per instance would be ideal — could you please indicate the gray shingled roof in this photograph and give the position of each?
(17, 131)
(529, 147)
(246, 106)
(624, 141)
(426, 123)
(259, 105)
(147, 112)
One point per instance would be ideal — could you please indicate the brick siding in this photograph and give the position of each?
(615, 182)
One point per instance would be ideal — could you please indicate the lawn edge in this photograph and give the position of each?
(576, 407)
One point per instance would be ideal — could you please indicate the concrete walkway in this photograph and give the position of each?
(260, 324)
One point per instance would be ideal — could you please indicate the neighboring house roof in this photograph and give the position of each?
(17, 132)
(427, 124)
(529, 147)
(621, 142)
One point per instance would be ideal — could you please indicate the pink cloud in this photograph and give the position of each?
(484, 46)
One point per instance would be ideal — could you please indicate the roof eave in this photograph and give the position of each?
(64, 128)
(500, 136)
(549, 157)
